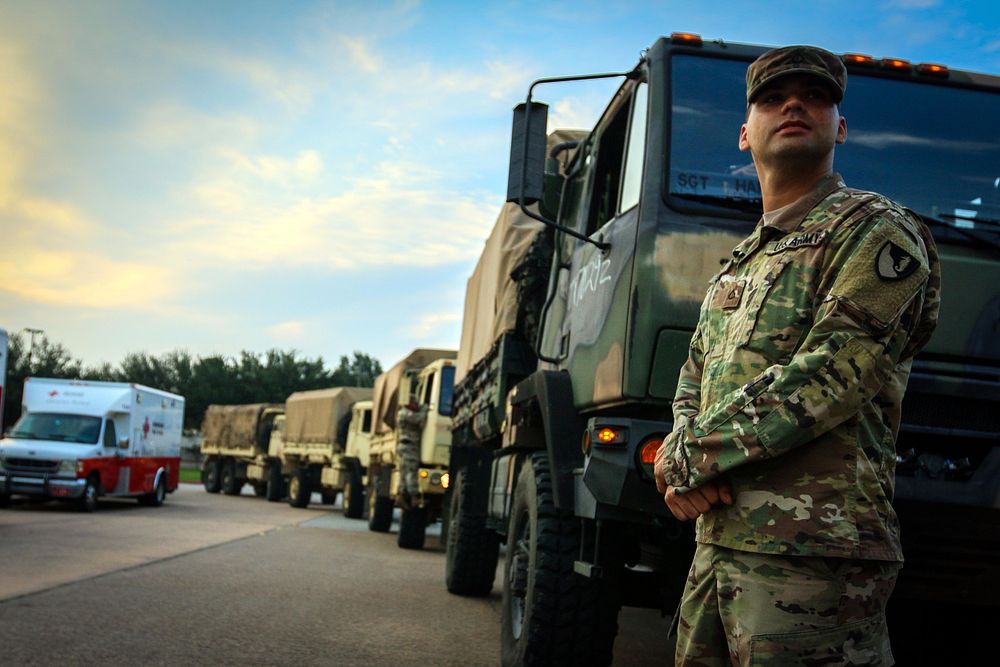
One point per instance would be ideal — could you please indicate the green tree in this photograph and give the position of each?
(360, 371)
(48, 360)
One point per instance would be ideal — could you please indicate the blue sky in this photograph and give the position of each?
(229, 176)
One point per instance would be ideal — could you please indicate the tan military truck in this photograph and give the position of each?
(234, 448)
(426, 377)
(317, 450)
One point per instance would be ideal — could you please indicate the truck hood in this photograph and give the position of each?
(43, 449)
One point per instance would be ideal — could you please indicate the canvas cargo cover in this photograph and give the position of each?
(313, 417)
(386, 400)
(490, 295)
(233, 426)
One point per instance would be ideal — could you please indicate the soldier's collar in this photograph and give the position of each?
(791, 216)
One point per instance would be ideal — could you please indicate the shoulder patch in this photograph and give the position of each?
(894, 263)
(799, 240)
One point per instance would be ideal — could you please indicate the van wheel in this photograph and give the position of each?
(275, 483)
(299, 489)
(549, 614)
(211, 474)
(379, 510)
(354, 496)
(88, 501)
(412, 528)
(231, 484)
(157, 497)
(472, 548)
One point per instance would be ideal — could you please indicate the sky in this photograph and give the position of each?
(319, 176)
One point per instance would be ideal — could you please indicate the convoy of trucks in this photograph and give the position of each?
(423, 379)
(560, 407)
(235, 449)
(80, 440)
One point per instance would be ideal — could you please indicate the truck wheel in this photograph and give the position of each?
(211, 474)
(299, 489)
(275, 483)
(549, 614)
(472, 549)
(354, 496)
(157, 497)
(412, 528)
(230, 483)
(4, 500)
(379, 510)
(88, 501)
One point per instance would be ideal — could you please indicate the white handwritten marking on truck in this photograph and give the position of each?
(594, 273)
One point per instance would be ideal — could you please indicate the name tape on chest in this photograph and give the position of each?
(793, 241)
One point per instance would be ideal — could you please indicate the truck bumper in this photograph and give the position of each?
(46, 486)
(430, 481)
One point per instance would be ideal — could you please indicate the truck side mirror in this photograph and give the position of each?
(122, 443)
(525, 179)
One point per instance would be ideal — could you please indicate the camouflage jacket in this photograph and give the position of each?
(796, 373)
(411, 422)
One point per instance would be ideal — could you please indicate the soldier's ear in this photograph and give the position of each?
(744, 143)
(842, 130)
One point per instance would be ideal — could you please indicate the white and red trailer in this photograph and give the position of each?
(78, 440)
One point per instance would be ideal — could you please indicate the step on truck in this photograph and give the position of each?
(234, 450)
(424, 380)
(559, 415)
(324, 446)
(81, 440)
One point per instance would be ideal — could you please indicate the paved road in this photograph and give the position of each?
(210, 579)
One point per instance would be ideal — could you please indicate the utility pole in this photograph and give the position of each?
(31, 346)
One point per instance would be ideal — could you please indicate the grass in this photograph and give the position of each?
(190, 475)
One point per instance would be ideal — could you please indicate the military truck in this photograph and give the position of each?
(425, 377)
(234, 449)
(322, 449)
(559, 414)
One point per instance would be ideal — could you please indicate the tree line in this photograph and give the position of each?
(247, 378)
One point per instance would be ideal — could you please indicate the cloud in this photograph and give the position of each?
(287, 330)
(911, 4)
(21, 103)
(880, 140)
(430, 323)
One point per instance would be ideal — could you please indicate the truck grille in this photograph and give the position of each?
(31, 465)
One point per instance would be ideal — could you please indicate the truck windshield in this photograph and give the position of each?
(447, 390)
(80, 429)
(933, 148)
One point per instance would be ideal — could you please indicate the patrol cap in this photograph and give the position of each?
(787, 60)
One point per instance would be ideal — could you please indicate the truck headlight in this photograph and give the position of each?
(67, 467)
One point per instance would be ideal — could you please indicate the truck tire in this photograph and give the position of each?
(472, 549)
(379, 510)
(354, 496)
(88, 501)
(275, 483)
(4, 500)
(299, 488)
(412, 528)
(549, 614)
(158, 496)
(231, 484)
(211, 474)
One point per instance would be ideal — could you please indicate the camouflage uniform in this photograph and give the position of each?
(792, 390)
(411, 424)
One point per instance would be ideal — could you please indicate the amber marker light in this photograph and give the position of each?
(930, 69)
(606, 435)
(897, 64)
(859, 59)
(424, 474)
(688, 38)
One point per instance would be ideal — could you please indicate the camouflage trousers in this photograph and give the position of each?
(409, 466)
(745, 608)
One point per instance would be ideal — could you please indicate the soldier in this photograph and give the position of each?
(411, 419)
(788, 407)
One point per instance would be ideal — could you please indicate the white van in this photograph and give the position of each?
(79, 440)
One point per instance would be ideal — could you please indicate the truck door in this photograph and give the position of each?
(603, 193)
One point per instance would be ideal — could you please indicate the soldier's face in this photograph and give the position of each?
(794, 118)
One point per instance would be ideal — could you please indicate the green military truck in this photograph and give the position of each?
(558, 417)
(425, 377)
(234, 446)
(322, 446)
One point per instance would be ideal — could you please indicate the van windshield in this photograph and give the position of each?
(81, 429)
(932, 148)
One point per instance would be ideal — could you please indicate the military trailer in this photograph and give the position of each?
(425, 377)
(561, 407)
(316, 450)
(234, 449)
